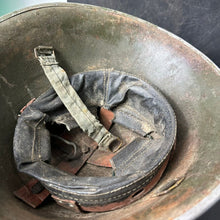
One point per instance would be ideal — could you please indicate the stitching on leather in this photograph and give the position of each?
(104, 86)
(109, 198)
(39, 145)
(115, 190)
(34, 140)
(136, 83)
(107, 88)
(123, 187)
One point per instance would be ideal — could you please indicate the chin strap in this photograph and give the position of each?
(61, 84)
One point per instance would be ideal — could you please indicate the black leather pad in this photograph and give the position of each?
(136, 105)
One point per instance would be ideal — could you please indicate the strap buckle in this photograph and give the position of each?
(44, 50)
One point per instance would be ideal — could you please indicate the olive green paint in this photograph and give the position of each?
(86, 38)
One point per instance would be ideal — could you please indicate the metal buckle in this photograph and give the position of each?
(44, 50)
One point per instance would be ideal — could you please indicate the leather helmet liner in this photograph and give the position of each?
(136, 106)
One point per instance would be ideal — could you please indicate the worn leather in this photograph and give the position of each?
(136, 105)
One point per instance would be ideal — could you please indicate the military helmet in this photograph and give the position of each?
(131, 80)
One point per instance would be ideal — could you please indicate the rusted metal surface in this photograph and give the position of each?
(69, 204)
(33, 199)
(106, 117)
(101, 158)
(88, 38)
(31, 101)
(81, 139)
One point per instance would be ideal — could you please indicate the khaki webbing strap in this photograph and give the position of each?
(61, 84)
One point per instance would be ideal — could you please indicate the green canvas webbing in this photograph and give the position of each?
(61, 84)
